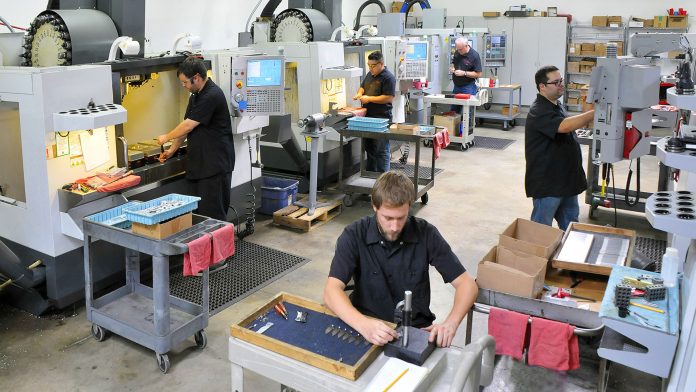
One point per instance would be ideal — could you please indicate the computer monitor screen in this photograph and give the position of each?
(417, 51)
(495, 40)
(264, 73)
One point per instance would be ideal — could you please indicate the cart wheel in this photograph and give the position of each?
(592, 210)
(348, 200)
(487, 106)
(471, 143)
(513, 122)
(201, 339)
(163, 362)
(424, 198)
(463, 146)
(98, 333)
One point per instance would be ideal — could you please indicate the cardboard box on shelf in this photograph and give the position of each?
(648, 22)
(164, 229)
(660, 22)
(577, 47)
(573, 100)
(586, 66)
(573, 66)
(531, 237)
(490, 14)
(614, 21)
(677, 22)
(587, 47)
(599, 21)
(506, 110)
(396, 6)
(600, 49)
(511, 271)
(451, 122)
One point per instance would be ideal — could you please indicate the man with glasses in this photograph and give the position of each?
(210, 150)
(555, 176)
(465, 70)
(376, 94)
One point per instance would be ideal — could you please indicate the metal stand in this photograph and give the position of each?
(314, 129)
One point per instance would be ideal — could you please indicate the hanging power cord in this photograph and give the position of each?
(251, 201)
(613, 184)
(628, 183)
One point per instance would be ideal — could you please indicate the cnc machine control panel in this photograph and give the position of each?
(257, 85)
(415, 65)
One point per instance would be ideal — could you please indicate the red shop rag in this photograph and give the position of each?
(509, 330)
(223, 244)
(553, 345)
(198, 256)
(440, 141)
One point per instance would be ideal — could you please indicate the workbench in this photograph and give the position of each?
(467, 139)
(509, 119)
(363, 181)
(149, 316)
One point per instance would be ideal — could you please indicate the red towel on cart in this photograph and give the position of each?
(440, 141)
(198, 256)
(509, 330)
(553, 345)
(223, 244)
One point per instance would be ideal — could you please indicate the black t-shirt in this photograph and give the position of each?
(468, 62)
(554, 160)
(374, 86)
(383, 270)
(210, 148)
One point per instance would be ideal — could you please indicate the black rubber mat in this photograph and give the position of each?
(251, 268)
(408, 169)
(491, 143)
(651, 248)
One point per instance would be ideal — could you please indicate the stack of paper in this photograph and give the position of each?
(576, 247)
(393, 370)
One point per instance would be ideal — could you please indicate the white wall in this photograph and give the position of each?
(219, 21)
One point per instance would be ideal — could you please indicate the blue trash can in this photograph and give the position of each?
(277, 193)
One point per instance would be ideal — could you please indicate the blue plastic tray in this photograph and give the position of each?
(372, 120)
(426, 128)
(143, 213)
(360, 127)
(114, 216)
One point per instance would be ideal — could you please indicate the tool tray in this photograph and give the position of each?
(148, 213)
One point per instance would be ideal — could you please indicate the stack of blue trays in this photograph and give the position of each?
(368, 124)
(115, 216)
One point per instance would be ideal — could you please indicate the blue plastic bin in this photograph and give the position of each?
(140, 213)
(114, 216)
(277, 193)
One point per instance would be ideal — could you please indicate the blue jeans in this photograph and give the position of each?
(470, 88)
(563, 209)
(378, 155)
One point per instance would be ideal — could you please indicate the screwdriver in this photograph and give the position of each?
(279, 309)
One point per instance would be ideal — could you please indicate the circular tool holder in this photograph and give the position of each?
(300, 25)
(673, 211)
(68, 37)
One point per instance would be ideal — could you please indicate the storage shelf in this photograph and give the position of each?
(579, 73)
(598, 27)
(587, 56)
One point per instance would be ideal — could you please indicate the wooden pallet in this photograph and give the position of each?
(296, 217)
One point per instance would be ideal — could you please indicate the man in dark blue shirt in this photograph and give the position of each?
(387, 254)
(554, 177)
(465, 70)
(376, 94)
(210, 149)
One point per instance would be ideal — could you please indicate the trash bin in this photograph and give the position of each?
(277, 193)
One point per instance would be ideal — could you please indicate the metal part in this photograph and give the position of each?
(265, 327)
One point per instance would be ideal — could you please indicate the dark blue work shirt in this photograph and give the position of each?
(382, 84)
(470, 62)
(383, 270)
(210, 147)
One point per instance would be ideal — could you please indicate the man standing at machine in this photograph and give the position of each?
(387, 254)
(465, 70)
(376, 94)
(554, 177)
(210, 150)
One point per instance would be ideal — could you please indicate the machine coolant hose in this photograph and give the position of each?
(628, 184)
(249, 225)
(362, 7)
(10, 267)
(270, 8)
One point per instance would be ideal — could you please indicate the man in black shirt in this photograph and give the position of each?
(554, 176)
(465, 70)
(387, 254)
(210, 150)
(376, 94)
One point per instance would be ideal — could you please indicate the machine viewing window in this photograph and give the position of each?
(11, 166)
(417, 51)
(264, 73)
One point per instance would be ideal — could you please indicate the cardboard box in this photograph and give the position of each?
(396, 6)
(451, 122)
(531, 237)
(573, 101)
(573, 66)
(614, 21)
(490, 14)
(405, 129)
(587, 47)
(677, 22)
(600, 49)
(648, 22)
(578, 47)
(599, 21)
(511, 271)
(636, 22)
(506, 110)
(164, 229)
(660, 22)
(586, 66)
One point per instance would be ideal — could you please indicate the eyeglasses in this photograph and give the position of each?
(372, 65)
(558, 82)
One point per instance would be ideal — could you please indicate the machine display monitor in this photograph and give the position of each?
(264, 73)
(417, 51)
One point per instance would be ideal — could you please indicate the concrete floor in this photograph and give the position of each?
(480, 192)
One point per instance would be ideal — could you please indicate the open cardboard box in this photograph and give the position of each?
(512, 272)
(531, 237)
